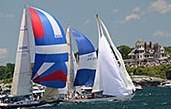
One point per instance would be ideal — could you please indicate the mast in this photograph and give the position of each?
(99, 26)
(21, 84)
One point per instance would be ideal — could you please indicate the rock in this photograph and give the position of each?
(146, 81)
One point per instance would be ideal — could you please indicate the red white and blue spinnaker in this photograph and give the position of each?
(51, 50)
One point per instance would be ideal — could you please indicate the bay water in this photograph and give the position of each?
(147, 98)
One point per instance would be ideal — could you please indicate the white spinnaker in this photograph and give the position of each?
(21, 84)
(124, 74)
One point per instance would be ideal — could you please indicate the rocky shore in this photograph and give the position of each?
(149, 81)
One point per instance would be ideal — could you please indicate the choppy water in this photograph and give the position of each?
(148, 98)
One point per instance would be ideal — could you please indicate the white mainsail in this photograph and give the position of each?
(110, 76)
(71, 65)
(67, 89)
(21, 84)
(69, 86)
(124, 74)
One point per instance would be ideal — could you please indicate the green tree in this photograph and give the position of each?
(153, 71)
(124, 50)
(6, 73)
(2, 72)
(9, 70)
(168, 50)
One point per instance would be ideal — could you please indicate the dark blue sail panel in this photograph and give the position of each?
(87, 60)
(51, 50)
(84, 45)
(85, 77)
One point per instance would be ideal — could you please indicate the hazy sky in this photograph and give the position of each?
(126, 20)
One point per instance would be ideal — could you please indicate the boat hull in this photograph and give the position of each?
(121, 98)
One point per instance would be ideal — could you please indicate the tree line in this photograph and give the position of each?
(6, 73)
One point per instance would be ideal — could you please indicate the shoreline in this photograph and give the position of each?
(149, 81)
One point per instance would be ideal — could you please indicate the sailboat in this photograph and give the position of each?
(110, 67)
(111, 80)
(82, 71)
(124, 74)
(51, 58)
(111, 76)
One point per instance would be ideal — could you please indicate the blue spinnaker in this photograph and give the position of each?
(87, 60)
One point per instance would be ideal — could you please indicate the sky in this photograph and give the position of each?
(126, 20)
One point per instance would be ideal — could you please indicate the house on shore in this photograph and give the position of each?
(147, 54)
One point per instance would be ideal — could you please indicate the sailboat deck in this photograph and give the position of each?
(121, 98)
